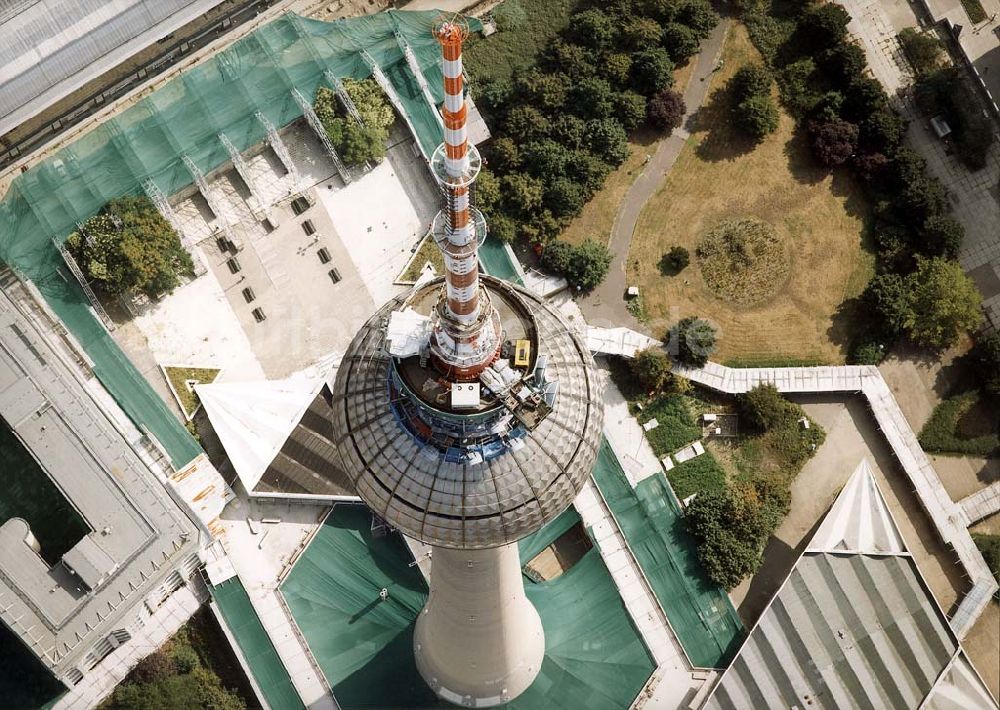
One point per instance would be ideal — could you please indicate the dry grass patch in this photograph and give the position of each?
(598, 216)
(743, 261)
(720, 176)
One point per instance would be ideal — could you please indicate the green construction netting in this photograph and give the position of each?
(184, 117)
(700, 612)
(594, 657)
(530, 546)
(497, 261)
(267, 668)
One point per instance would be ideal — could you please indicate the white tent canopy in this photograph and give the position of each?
(254, 419)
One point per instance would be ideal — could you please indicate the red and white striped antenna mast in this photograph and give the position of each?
(467, 335)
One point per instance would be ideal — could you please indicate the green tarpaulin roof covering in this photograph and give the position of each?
(594, 657)
(699, 612)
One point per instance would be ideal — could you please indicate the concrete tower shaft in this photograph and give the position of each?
(467, 338)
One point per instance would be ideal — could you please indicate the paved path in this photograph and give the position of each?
(606, 304)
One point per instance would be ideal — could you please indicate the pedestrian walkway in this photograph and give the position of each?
(981, 504)
(949, 519)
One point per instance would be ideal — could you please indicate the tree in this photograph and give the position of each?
(557, 255)
(798, 86)
(505, 154)
(652, 71)
(757, 116)
(844, 63)
(941, 303)
(503, 228)
(608, 140)
(545, 159)
(630, 109)
(863, 98)
(941, 236)
(886, 295)
(588, 265)
(526, 122)
(680, 41)
(882, 131)
(694, 340)
(699, 16)
(764, 408)
(616, 68)
(565, 197)
(356, 142)
(731, 527)
(833, 142)
(824, 26)
(572, 60)
(652, 368)
(494, 95)
(923, 50)
(129, 247)
(986, 355)
(642, 33)
(522, 193)
(750, 80)
(665, 110)
(588, 170)
(488, 195)
(593, 98)
(593, 28)
(871, 167)
(569, 130)
(545, 91)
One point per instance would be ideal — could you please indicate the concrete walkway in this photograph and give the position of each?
(605, 305)
(982, 503)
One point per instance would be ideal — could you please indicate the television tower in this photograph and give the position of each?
(468, 415)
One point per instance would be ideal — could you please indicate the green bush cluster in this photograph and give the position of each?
(943, 431)
(128, 247)
(561, 123)
(356, 142)
(677, 425)
(755, 112)
(948, 92)
(923, 50)
(732, 526)
(700, 475)
(583, 265)
(177, 676)
(850, 122)
(693, 340)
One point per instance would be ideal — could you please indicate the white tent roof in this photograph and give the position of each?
(254, 419)
(859, 520)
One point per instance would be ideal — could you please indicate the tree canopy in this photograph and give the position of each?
(941, 303)
(129, 247)
(356, 143)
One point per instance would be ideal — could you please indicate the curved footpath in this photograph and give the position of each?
(606, 303)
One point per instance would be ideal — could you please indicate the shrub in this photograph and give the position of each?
(694, 340)
(871, 167)
(675, 260)
(665, 110)
(833, 142)
(886, 295)
(862, 99)
(868, 351)
(882, 131)
(986, 355)
(129, 247)
(757, 116)
(942, 432)
(652, 367)
(764, 408)
(702, 474)
(923, 50)
(941, 303)
(652, 71)
(156, 665)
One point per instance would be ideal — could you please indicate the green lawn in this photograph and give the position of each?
(180, 379)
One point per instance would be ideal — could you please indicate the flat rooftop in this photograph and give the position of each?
(136, 533)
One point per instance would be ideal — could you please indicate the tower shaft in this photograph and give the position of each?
(478, 641)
